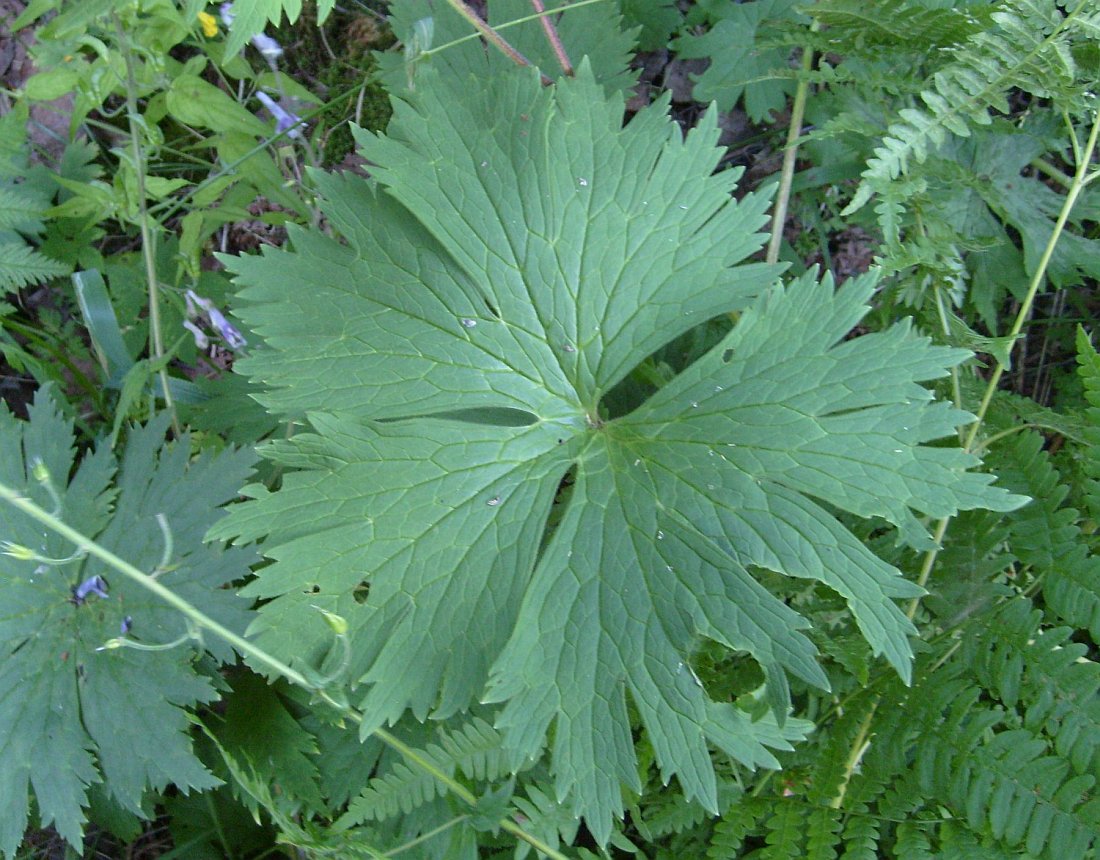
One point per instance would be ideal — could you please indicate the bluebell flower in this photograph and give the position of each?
(284, 119)
(267, 46)
(233, 338)
(96, 585)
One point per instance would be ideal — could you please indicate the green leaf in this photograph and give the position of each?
(193, 101)
(739, 67)
(656, 20)
(259, 730)
(250, 18)
(18, 210)
(21, 265)
(53, 83)
(102, 324)
(465, 498)
(71, 714)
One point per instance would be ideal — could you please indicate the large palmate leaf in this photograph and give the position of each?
(72, 714)
(517, 255)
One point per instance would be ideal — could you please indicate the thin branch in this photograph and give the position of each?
(492, 36)
(552, 35)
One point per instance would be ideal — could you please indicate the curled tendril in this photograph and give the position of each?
(192, 634)
(23, 553)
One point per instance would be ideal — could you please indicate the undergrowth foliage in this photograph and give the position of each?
(577, 527)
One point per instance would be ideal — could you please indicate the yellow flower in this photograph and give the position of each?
(209, 25)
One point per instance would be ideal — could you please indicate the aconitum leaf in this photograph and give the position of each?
(466, 501)
(70, 714)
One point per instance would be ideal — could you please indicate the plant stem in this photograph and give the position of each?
(1077, 185)
(859, 746)
(246, 648)
(492, 36)
(1081, 178)
(148, 238)
(513, 23)
(790, 154)
(552, 36)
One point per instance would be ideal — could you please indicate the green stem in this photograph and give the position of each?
(790, 154)
(258, 655)
(1080, 179)
(424, 837)
(148, 238)
(854, 755)
(171, 206)
(1077, 185)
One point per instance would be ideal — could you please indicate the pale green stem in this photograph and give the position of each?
(859, 746)
(790, 154)
(424, 837)
(258, 655)
(148, 238)
(1081, 178)
(1077, 185)
(956, 392)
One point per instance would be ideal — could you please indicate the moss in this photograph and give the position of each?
(351, 38)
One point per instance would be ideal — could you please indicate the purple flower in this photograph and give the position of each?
(96, 585)
(233, 338)
(267, 46)
(284, 119)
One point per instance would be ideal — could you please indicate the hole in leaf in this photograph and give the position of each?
(659, 368)
(499, 416)
(558, 508)
(727, 355)
(361, 592)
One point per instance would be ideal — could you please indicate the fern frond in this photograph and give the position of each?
(897, 23)
(668, 814)
(822, 833)
(1001, 782)
(1045, 535)
(547, 819)
(736, 823)
(861, 837)
(911, 842)
(1030, 49)
(1044, 674)
(19, 210)
(784, 832)
(474, 749)
(21, 265)
(1088, 370)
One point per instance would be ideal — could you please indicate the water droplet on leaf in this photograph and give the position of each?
(493, 502)
(468, 323)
